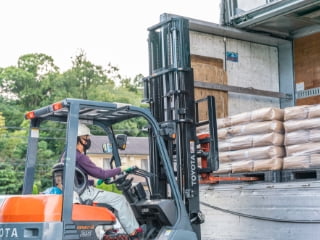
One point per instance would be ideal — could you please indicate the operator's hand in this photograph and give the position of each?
(128, 169)
(106, 181)
(99, 182)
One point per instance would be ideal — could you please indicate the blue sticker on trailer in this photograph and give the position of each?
(232, 56)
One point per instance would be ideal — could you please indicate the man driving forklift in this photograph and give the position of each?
(117, 201)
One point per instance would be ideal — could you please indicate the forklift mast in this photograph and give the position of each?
(169, 91)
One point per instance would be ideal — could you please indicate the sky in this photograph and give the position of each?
(108, 31)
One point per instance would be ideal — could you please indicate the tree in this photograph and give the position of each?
(13, 82)
(87, 75)
(133, 85)
(12, 112)
(13, 149)
(39, 90)
(30, 84)
(14, 145)
(8, 179)
(9, 183)
(38, 64)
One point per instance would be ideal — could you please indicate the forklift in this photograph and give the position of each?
(170, 205)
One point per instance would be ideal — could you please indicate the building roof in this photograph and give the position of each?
(135, 145)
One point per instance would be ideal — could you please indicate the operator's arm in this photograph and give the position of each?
(89, 167)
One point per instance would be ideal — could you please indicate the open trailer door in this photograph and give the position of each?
(281, 18)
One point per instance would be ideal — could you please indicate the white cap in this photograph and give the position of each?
(83, 130)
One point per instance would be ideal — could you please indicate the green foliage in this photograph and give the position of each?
(13, 147)
(132, 127)
(30, 84)
(14, 144)
(133, 85)
(110, 93)
(50, 146)
(8, 179)
(87, 75)
(55, 135)
(15, 83)
(12, 113)
(38, 64)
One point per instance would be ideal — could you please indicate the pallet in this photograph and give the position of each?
(288, 175)
(262, 176)
(265, 176)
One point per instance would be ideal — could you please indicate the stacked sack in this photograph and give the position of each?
(302, 137)
(251, 141)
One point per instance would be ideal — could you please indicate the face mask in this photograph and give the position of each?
(86, 145)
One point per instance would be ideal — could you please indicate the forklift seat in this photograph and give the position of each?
(80, 180)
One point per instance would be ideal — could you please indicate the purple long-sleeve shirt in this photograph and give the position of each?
(89, 168)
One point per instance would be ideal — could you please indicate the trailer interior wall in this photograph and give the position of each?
(246, 63)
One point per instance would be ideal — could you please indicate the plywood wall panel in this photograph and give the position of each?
(210, 70)
(308, 101)
(307, 65)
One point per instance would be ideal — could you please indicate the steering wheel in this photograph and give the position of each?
(118, 179)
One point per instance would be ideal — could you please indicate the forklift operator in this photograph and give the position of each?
(117, 201)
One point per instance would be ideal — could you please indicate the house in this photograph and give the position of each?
(135, 154)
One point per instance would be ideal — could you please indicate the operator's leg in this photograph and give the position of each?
(118, 202)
